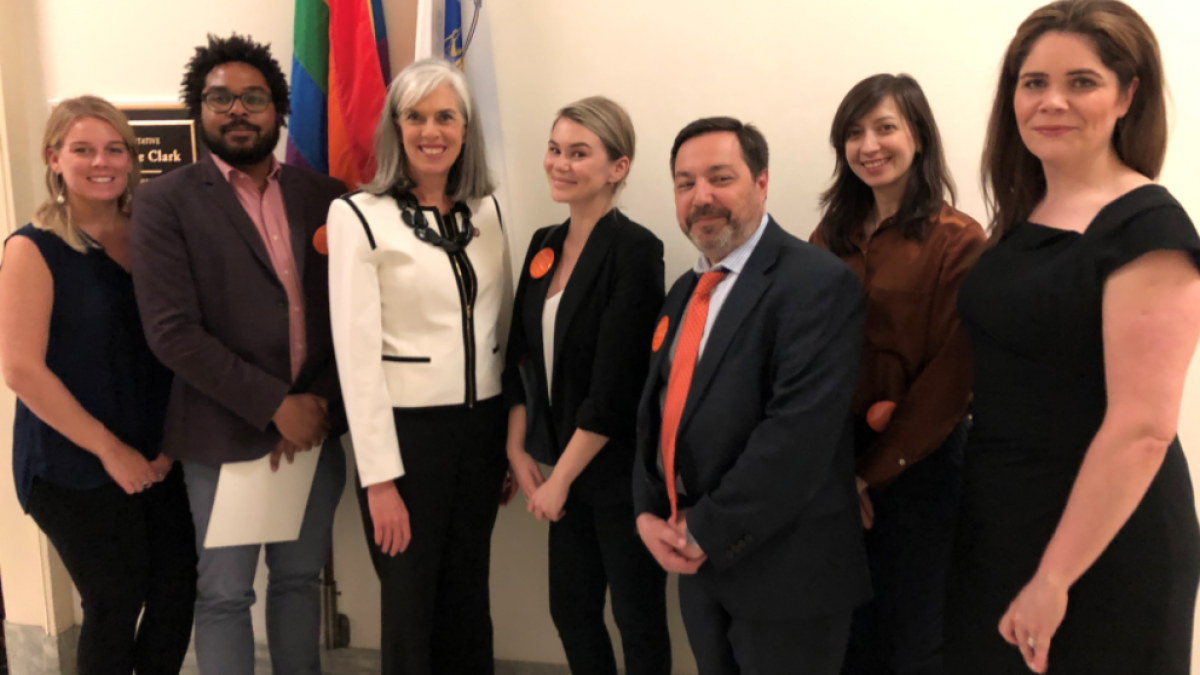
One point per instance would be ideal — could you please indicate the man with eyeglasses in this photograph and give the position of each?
(231, 275)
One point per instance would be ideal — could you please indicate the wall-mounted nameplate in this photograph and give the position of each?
(166, 138)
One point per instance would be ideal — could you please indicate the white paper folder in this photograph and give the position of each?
(257, 506)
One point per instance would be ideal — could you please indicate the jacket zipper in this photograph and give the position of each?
(464, 276)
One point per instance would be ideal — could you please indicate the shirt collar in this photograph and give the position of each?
(229, 172)
(736, 260)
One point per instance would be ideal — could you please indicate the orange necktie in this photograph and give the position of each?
(682, 367)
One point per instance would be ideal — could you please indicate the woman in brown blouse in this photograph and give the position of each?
(887, 217)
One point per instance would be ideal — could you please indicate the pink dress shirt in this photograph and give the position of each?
(267, 211)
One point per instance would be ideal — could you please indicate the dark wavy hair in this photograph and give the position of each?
(1013, 179)
(234, 49)
(754, 146)
(848, 202)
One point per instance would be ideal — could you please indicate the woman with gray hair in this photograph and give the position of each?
(420, 294)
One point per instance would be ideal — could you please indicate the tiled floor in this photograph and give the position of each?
(337, 662)
(366, 662)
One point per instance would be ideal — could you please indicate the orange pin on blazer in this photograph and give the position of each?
(542, 262)
(660, 333)
(321, 240)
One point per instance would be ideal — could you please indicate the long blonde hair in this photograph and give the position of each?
(54, 216)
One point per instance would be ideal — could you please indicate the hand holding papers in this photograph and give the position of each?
(255, 505)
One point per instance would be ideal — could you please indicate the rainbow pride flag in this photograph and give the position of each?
(340, 73)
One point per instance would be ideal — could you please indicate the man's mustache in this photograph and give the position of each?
(240, 124)
(708, 211)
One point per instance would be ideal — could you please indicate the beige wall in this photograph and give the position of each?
(37, 590)
(782, 64)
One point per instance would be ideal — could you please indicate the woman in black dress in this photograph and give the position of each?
(1078, 543)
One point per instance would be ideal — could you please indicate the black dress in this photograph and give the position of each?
(1032, 306)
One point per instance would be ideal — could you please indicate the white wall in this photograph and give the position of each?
(39, 590)
(782, 64)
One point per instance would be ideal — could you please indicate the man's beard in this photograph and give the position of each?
(242, 156)
(724, 241)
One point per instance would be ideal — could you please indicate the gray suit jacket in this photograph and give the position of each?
(216, 314)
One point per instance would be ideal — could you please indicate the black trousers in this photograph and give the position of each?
(593, 549)
(899, 632)
(126, 554)
(435, 595)
(728, 645)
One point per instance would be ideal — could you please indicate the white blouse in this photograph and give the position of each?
(549, 313)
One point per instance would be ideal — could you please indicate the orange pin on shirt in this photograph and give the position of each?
(660, 334)
(321, 241)
(879, 415)
(542, 262)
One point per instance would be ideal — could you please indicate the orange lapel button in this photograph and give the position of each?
(542, 262)
(660, 333)
(321, 240)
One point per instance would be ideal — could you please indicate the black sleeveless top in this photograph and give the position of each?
(97, 348)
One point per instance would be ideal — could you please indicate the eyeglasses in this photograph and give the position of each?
(222, 101)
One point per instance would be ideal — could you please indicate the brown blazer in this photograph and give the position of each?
(916, 353)
(215, 312)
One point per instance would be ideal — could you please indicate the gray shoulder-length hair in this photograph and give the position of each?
(469, 177)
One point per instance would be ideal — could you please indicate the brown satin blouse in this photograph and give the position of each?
(915, 352)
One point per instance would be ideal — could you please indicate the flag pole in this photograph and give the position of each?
(474, 23)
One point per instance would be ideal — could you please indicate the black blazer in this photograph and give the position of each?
(765, 448)
(216, 314)
(602, 339)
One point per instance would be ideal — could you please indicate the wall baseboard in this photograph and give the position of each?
(530, 668)
(366, 662)
(32, 652)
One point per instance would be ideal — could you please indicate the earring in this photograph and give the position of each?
(126, 199)
(60, 188)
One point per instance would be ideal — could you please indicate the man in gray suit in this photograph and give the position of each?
(232, 284)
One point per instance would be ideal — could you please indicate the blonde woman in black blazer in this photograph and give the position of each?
(578, 355)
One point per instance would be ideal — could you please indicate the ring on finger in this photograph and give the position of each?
(1031, 641)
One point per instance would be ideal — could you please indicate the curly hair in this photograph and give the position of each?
(239, 49)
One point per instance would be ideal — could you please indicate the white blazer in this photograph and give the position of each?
(404, 331)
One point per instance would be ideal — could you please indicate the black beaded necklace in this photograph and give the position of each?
(414, 216)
